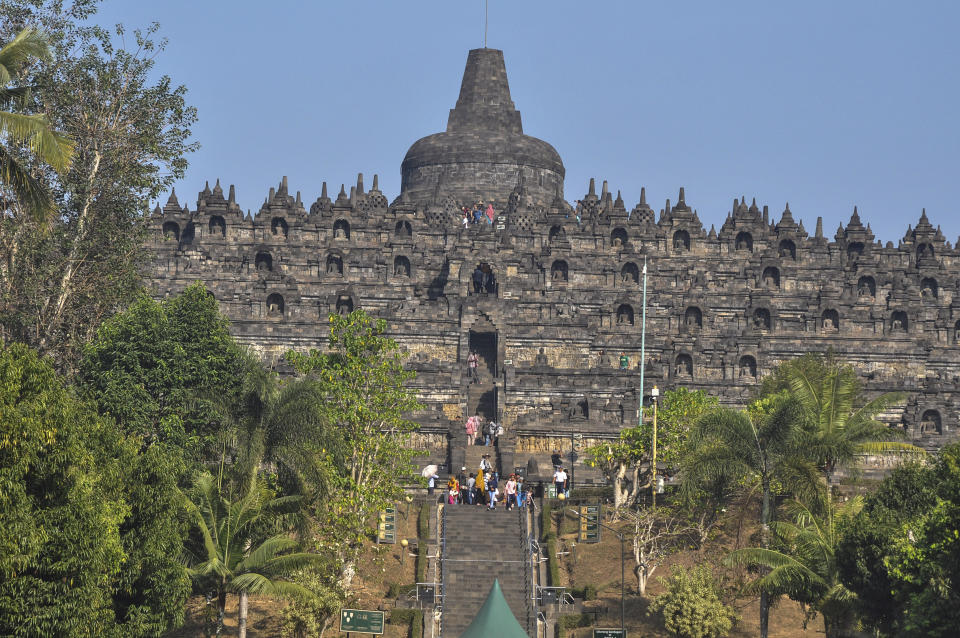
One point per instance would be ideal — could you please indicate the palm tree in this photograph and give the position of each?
(758, 446)
(33, 130)
(280, 425)
(231, 557)
(842, 424)
(805, 568)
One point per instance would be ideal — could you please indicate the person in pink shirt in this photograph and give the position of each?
(510, 489)
(471, 428)
(490, 213)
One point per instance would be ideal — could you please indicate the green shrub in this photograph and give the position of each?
(546, 521)
(423, 523)
(571, 621)
(587, 592)
(398, 589)
(411, 617)
(691, 606)
(553, 567)
(562, 522)
(421, 564)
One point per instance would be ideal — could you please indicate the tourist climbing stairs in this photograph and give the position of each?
(478, 546)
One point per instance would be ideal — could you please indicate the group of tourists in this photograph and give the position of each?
(478, 215)
(480, 432)
(484, 488)
(483, 279)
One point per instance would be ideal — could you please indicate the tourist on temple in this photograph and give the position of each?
(472, 362)
(556, 459)
(493, 484)
(510, 490)
(480, 486)
(431, 483)
(485, 463)
(471, 489)
(466, 217)
(491, 431)
(624, 361)
(560, 481)
(471, 428)
(478, 279)
(490, 214)
(489, 281)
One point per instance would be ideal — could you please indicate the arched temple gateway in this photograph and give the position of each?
(724, 305)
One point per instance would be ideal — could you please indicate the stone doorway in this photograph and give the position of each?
(485, 345)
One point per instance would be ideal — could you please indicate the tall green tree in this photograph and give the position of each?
(32, 130)
(89, 534)
(368, 405)
(901, 555)
(626, 461)
(131, 127)
(158, 366)
(757, 447)
(871, 536)
(236, 555)
(60, 464)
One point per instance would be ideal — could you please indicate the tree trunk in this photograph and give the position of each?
(765, 541)
(242, 615)
(221, 609)
(619, 494)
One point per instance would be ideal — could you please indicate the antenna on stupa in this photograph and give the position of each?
(486, 20)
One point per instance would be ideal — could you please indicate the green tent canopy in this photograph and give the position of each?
(494, 620)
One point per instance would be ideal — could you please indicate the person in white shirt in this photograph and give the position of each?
(560, 480)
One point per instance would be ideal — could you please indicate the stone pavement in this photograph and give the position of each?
(479, 546)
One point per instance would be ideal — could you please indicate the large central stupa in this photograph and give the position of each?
(483, 152)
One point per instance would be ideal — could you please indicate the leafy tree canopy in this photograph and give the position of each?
(692, 606)
(89, 540)
(162, 369)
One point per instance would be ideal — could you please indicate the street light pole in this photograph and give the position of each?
(643, 341)
(654, 394)
(623, 581)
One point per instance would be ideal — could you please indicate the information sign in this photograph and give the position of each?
(590, 524)
(609, 633)
(361, 621)
(387, 527)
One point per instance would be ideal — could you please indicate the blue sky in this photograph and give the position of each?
(826, 105)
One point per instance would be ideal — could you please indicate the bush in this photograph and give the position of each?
(587, 592)
(546, 522)
(691, 606)
(398, 589)
(571, 621)
(421, 564)
(411, 617)
(423, 523)
(553, 569)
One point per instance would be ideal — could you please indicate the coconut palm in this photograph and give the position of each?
(804, 567)
(758, 447)
(233, 558)
(33, 130)
(280, 425)
(842, 423)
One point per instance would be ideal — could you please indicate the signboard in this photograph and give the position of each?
(609, 633)
(590, 524)
(387, 527)
(552, 490)
(361, 621)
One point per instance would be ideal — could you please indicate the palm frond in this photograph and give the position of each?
(266, 551)
(258, 584)
(29, 44)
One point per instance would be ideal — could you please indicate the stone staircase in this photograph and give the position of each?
(478, 546)
(482, 399)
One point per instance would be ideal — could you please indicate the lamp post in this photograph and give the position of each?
(623, 581)
(643, 341)
(654, 395)
(403, 551)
